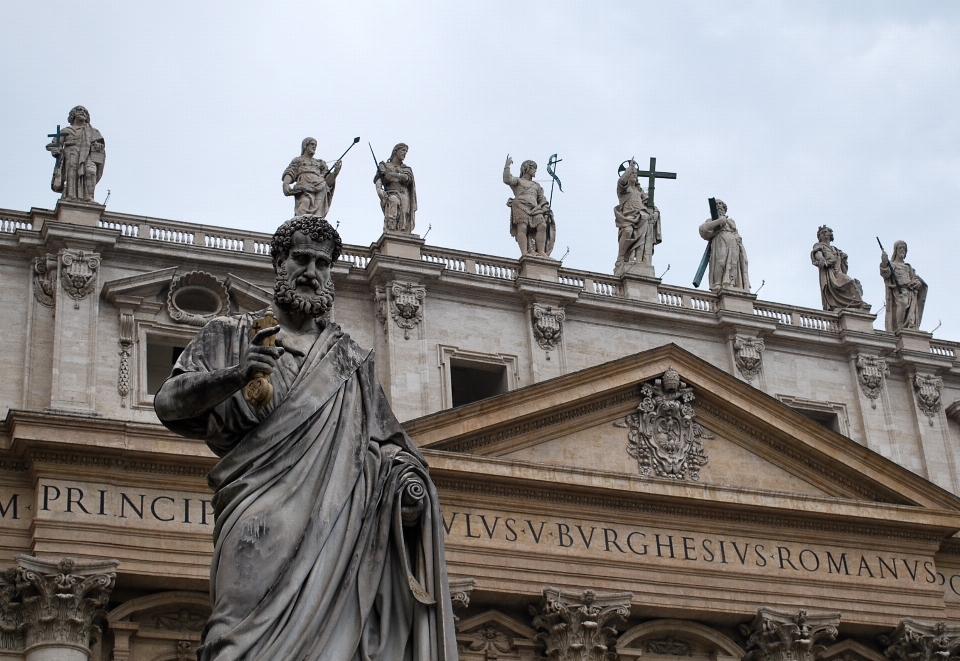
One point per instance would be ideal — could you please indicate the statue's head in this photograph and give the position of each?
(308, 144)
(528, 166)
(78, 111)
(824, 234)
(304, 249)
(900, 249)
(399, 152)
(721, 207)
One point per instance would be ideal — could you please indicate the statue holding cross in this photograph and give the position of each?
(80, 153)
(637, 219)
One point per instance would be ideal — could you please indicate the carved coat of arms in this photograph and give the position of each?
(663, 435)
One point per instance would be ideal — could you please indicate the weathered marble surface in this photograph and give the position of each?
(728, 259)
(310, 182)
(531, 219)
(397, 191)
(80, 154)
(638, 222)
(838, 291)
(904, 303)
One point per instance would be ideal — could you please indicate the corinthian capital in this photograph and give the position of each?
(778, 636)
(917, 641)
(580, 626)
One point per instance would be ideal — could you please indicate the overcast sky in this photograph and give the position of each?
(795, 114)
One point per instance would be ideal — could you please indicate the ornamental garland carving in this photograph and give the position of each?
(44, 270)
(403, 302)
(547, 325)
(580, 627)
(928, 388)
(779, 636)
(78, 270)
(197, 287)
(746, 351)
(663, 435)
(917, 641)
(870, 373)
(126, 348)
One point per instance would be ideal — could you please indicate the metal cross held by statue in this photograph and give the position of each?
(651, 174)
(56, 136)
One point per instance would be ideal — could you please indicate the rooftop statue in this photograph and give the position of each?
(80, 153)
(531, 219)
(638, 222)
(838, 290)
(728, 259)
(328, 536)
(906, 292)
(310, 181)
(397, 191)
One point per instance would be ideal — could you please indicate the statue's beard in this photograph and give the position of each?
(289, 299)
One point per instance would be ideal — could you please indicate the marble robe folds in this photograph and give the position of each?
(311, 560)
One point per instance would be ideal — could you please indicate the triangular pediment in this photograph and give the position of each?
(744, 446)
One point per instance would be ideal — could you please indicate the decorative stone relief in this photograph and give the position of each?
(62, 600)
(547, 325)
(126, 348)
(870, 373)
(746, 351)
(580, 627)
(77, 273)
(916, 641)
(779, 636)
(181, 620)
(197, 297)
(403, 301)
(663, 434)
(11, 620)
(460, 589)
(668, 646)
(491, 641)
(928, 388)
(44, 269)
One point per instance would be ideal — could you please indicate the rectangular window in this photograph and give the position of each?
(471, 382)
(161, 356)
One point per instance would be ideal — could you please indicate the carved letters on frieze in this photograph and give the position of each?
(928, 388)
(44, 272)
(402, 301)
(78, 269)
(547, 325)
(779, 636)
(663, 434)
(870, 373)
(580, 627)
(746, 352)
(917, 641)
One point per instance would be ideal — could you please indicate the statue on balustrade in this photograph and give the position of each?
(81, 153)
(638, 223)
(728, 259)
(328, 536)
(398, 192)
(310, 182)
(838, 291)
(531, 219)
(906, 292)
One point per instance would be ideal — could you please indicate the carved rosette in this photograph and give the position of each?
(202, 287)
(402, 301)
(63, 600)
(547, 325)
(580, 627)
(44, 269)
(78, 270)
(663, 434)
(916, 641)
(491, 641)
(746, 351)
(11, 612)
(928, 388)
(870, 374)
(779, 636)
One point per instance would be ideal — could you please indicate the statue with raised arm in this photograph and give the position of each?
(728, 259)
(906, 291)
(531, 219)
(328, 539)
(81, 153)
(397, 191)
(638, 222)
(838, 291)
(310, 182)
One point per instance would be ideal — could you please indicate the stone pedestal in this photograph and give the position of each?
(61, 601)
(399, 244)
(736, 300)
(79, 213)
(539, 268)
(858, 321)
(639, 286)
(913, 340)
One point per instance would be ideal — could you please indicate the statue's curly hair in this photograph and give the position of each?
(315, 227)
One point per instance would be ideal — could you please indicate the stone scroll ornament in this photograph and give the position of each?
(44, 270)
(77, 274)
(918, 641)
(747, 355)
(928, 389)
(547, 326)
(580, 627)
(870, 374)
(663, 435)
(779, 636)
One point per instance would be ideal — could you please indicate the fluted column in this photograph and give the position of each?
(580, 626)
(61, 601)
(779, 636)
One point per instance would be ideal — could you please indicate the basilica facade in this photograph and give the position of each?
(625, 468)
